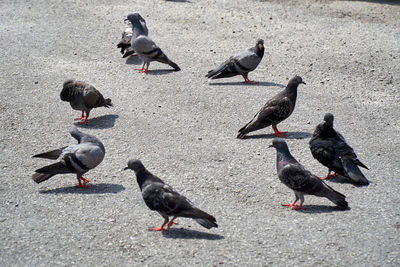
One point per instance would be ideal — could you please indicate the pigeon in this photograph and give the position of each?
(240, 64)
(78, 158)
(331, 149)
(301, 181)
(162, 198)
(125, 43)
(277, 109)
(145, 48)
(84, 97)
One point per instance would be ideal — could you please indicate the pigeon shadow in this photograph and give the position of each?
(190, 234)
(289, 135)
(321, 209)
(160, 71)
(243, 83)
(133, 60)
(102, 122)
(92, 189)
(344, 180)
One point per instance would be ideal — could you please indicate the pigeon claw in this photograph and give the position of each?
(294, 206)
(83, 122)
(246, 80)
(81, 118)
(84, 184)
(277, 132)
(171, 222)
(329, 176)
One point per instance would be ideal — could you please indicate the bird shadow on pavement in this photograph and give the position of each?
(321, 209)
(243, 83)
(289, 135)
(92, 189)
(343, 180)
(102, 122)
(190, 234)
(160, 71)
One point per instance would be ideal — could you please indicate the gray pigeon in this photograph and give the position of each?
(240, 64)
(331, 149)
(165, 200)
(79, 158)
(301, 181)
(84, 97)
(125, 43)
(145, 48)
(277, 109)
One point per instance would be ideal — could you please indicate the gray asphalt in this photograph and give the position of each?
(183, 128)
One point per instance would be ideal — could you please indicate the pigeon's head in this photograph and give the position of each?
(260, 43)
(135, 165)
(279, 144)
(65, 94)
(297, 80)
(328, 118)
(133, 17)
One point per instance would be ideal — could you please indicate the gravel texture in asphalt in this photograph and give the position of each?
(183, 128)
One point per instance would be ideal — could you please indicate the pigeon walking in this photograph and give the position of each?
(79, 158)
(127, 35)
(240, 64)
(165, 200)
(301, 181)
(145, 48)
(277, 109)
(331, 149)
(83, 97)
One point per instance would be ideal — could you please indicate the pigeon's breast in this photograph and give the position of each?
(76, 102)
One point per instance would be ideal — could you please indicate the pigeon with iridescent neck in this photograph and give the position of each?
(127, 35)
(162, 198)
(301, 181)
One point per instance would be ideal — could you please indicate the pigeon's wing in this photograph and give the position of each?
(92, 98)
(53, 154)
(247, 61)
(297, 178)
(324, 151)
(162, 198)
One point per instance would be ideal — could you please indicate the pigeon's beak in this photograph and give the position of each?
(303, 82)
(271, 146)
(125, 168)
(126, 19)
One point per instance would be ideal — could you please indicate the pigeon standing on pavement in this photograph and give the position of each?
(277, 109)
(83, 97)
(127, 35)
(165, 200)
(145, 48)
(240, 64)
(79, 158)
(331, 149)
(301, 181)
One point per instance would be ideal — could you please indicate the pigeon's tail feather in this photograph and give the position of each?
(107, 103)
(354, 173)
(201, 217)
(54, 154)
(359, 163)
(40, 177)
(336, 197)
(220, 72)
(55, 168)
(174, 65)
(242, 131)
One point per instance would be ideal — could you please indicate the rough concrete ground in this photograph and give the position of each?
(183, 128)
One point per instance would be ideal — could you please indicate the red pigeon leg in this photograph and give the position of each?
(329, 175)
(246, 80)
(171, 222)
(159, 228)
(142, 68)
(277, 132)
(81, 118)
(294, 206)
(83, 185)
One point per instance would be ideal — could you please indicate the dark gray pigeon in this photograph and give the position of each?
(79, 158)
(331, 149)
(125, 43)
(240, 64)
(277, 109)
(145, 48)
(165, 200)
(83, 97)
(301, 181)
